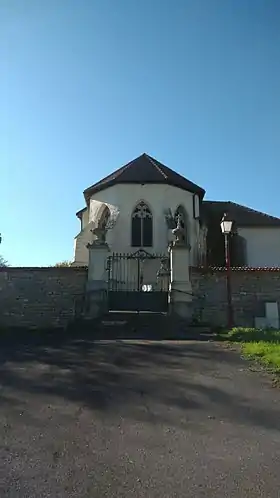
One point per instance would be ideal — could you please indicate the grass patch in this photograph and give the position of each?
(262, 345)
(266, 353)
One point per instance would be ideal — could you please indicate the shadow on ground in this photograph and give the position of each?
(141, 378)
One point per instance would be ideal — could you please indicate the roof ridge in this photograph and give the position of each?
(254, 210)
(113, 175)
(152, 161)
(218, 202)
(120, 170)
(144, 169)
(224, 205)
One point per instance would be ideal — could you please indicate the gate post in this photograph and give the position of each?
(180, 284)
(97, 294)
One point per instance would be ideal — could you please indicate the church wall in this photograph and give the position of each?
(85, 236)
(262, 246)
(159, 197)
(81, 255)
(85, 219)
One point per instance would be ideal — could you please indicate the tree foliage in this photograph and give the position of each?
(3, 262)
(63, 263)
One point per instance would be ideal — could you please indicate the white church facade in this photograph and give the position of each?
(138, 206)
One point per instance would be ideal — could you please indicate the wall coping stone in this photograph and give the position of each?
(42, 268)
(221, 269)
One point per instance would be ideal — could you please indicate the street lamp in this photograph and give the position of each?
(226, 227)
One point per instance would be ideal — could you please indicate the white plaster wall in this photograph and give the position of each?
(85, 219)
(124, 197)
(263, 246)
(81, 254)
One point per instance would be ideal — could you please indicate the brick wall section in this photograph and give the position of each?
(251, 289)
(40, 297)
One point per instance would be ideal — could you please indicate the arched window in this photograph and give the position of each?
(142, 226)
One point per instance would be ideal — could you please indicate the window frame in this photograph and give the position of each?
(140, 206)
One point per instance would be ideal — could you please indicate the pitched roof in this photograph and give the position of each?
(241, 215)
(79, 213)
(144, 169)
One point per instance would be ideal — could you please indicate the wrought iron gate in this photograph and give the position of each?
(138, 281)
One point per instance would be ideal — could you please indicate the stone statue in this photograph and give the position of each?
(179, 232)
(170, 219)
(177, 224)
(100, 234)
(164, 269)
(101, 230)
(107, 221)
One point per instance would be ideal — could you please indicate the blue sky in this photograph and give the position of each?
(87, 85)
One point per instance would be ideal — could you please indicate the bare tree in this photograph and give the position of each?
(3, 262)
(63, 263)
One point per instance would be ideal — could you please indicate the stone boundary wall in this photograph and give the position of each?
(50, 297)
(251, 289)
(40, 297)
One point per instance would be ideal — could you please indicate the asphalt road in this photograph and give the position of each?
(84, 419)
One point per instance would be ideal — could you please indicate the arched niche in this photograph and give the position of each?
(184, 222)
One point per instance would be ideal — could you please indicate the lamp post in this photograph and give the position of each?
(226, 227)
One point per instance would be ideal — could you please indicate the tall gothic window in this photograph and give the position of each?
(142, 226)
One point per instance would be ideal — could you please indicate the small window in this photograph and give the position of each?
(142, 226)
(195, 207)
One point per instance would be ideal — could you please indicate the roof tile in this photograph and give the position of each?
(243, 216)
(144, 169)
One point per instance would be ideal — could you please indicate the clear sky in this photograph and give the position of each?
(87, 85)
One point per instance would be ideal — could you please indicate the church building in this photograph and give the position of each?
(138, 207)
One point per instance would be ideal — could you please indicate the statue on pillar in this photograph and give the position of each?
(170, 219)
(179, 232)
(106, 222)
(101, 229)
(178, 226)
(100, 234)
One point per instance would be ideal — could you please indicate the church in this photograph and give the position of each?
(138, 207)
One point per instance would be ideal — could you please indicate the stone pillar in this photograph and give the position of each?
(180, 284)
(97, 295)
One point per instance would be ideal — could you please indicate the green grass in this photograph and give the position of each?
(262, 345)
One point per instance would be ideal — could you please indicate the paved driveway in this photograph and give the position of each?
(85, 419)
